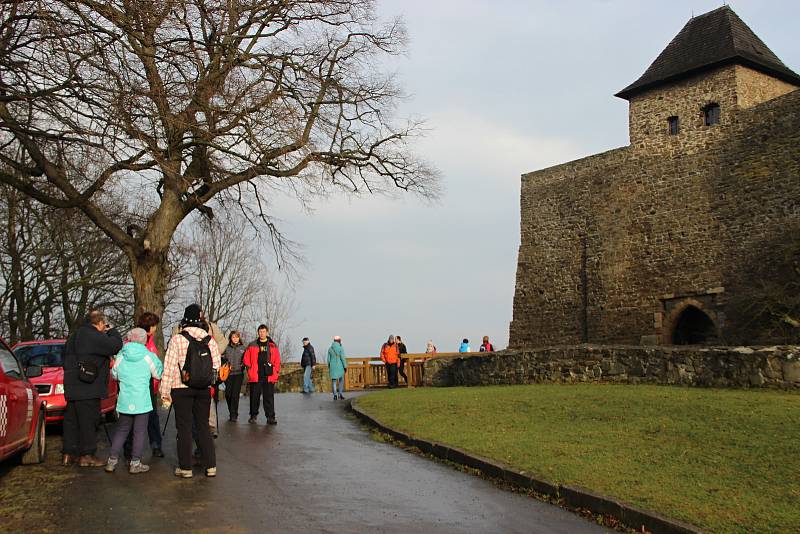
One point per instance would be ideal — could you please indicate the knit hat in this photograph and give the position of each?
(192, 313)
(137, 335)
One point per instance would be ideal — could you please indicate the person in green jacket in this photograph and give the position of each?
(134, 366)
(337, 367)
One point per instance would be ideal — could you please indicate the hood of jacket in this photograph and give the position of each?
(134, 352)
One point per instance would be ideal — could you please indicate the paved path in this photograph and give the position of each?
(316, 471)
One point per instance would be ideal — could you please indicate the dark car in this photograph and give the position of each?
(22, 412)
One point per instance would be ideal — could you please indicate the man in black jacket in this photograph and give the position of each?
(90, 347)
(307, 361)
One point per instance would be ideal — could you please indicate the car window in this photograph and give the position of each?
(9, 364)
(49, 355)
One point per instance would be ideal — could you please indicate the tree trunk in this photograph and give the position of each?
(150, 273)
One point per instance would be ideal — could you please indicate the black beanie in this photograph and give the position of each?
(192, 313)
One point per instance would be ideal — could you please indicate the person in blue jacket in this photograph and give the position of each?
(134, 367)
(337, 367)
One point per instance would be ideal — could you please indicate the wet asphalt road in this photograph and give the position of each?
(316, 471)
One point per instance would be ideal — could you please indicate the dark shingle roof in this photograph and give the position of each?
(714, 39)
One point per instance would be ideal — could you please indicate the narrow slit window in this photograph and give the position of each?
(711, 114)
(673, 125)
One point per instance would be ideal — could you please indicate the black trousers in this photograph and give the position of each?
(391, 372)
(268, 390)
(193, 405)
(80, 427)
(233, 387)
(401, 370)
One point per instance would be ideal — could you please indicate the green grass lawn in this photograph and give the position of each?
(725, 460)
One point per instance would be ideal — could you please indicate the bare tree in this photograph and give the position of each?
(175, 105)
(55, 266)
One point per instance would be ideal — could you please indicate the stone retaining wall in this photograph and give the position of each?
(742, 367)
(291, 379)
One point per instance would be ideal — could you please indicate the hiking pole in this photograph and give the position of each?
(164, 432)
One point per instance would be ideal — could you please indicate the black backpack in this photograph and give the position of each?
(198, 369)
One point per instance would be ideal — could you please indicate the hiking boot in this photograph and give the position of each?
(211, 472)
(90, 460)
(183, 473)
(252, 420)
(341, 397)
(272, 421)
(157, 452)
(67, 460)
(138, 467)
(111, 464)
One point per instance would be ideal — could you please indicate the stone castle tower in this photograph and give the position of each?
(669, 239)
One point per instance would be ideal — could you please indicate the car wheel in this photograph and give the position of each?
(35, 455)
(112, 416)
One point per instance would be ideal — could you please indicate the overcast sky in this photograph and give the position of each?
(506, 87)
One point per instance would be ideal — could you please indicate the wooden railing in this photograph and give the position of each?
(370, 372)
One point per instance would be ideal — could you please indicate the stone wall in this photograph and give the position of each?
(743, 367)
(615, 246)
(291, 379)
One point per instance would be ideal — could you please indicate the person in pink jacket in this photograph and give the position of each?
(263, 362)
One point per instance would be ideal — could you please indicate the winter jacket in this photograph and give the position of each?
(464, 347)
(234, 355)
(389, 353)
(250, 360)
(134, 366)
(89, 345)
(176, 357)
(309, 357)
(486, 347)
(337, 361)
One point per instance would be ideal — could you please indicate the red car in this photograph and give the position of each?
(49, 355)
(22, 412)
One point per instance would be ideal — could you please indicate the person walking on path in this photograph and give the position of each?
(135, 367)
(86, 368)
(234, 353)
(486, 346)
(390, 357)
(464, 346)
(307, 361)
(263, 362)
(401, 351)
(337, 367)
(148, 322)
(192, 404)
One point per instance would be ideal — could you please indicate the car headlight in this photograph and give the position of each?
(59, 389)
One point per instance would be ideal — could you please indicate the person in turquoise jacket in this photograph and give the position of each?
(337, 367)
(133, 367)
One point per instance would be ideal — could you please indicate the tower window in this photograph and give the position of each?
(673, 125)
(711, 114)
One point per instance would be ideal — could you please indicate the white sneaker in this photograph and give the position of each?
(138, 467)
(211, 472)
(183, 473)
(111, 464)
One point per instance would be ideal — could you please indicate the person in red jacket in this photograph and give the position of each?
(390, 355)
(263, 363)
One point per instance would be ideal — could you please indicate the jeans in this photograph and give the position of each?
(401, 371)
(337, 383)
(233, 387)
(80, 427)
(268, 390)
(193, 406)
(139, 423)
(391, 372)
(308, 386)
(154, 428)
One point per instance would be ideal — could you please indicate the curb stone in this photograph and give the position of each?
(574, 497)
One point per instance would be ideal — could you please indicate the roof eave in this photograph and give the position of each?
(633, 89)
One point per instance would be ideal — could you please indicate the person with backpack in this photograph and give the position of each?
(401, 350)
(486, 346)
(337, 367)
(190, 369)
(234, 353)
(390, 357)
(134, 367)
(263, 362)
(307, 361)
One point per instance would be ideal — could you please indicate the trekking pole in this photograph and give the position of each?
(164, 432)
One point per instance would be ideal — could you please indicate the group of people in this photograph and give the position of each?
(337, 367)
(485, 346)
(198, 363)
